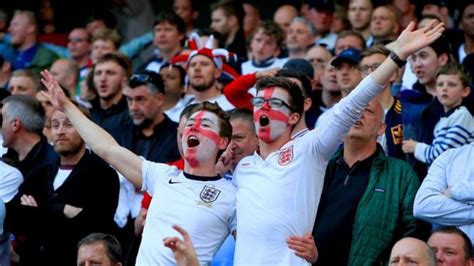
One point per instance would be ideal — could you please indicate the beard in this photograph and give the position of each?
(68, 149)
(202, 86)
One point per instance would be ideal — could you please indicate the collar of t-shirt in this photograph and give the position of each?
(201, 178)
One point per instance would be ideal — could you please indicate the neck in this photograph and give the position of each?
(72, 159)
(365, 32)
(25, 143)
(170, 53)
(28, 43)
(231, 36)
(296, 53)
(171, 99)
(329, 99)
(267, 148)
(106, 104)
(205, 95)
(301, 124)
(385, 98)
(82, 61)
(357, 150)
(205, 169)
(149, 130)
(468, 44)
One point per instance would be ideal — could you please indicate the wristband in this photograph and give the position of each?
(400, 63)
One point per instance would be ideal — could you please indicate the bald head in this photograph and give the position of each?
(284, 15)
(414, 250)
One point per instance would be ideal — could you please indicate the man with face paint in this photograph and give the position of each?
(282, 184)
(197, 198)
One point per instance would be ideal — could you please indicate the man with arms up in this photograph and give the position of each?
(268, 182)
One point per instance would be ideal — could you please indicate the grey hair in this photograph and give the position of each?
(312, 29)
(27, 110)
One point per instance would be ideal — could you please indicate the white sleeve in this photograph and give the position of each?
(154, 172)
(463, 191)
(11, 179)
(344, 115)
(433, 206)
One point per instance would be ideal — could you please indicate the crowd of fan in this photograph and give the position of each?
(327, 134)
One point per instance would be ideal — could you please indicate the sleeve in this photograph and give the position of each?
(233, 221)
(237, 93)
(457, 132)
(135, 46)
(154, 172)
(10, 181)
(345, 114)
(433, 206)
(462, 191)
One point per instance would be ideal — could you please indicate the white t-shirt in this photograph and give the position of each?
(10, 179)
(221, 100)
(174, 112)
(278, 197)
(249, 68)
(60, 177)
(206, 209)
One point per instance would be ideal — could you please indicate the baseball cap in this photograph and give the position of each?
(322, 5)
(350, 55)
(300, 64)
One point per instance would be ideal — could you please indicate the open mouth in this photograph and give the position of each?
(193, 141)
(264, 120)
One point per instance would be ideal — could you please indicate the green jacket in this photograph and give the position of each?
(43, 59)
(385, 212)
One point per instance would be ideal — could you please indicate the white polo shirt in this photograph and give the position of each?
(206, 209)
(278, 197)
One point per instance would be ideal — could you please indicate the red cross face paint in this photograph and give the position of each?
(271, 122)
(201, 138)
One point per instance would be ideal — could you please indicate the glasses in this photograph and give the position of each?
(272, 102)
(77, 40)
(369, 68)
(139, 79)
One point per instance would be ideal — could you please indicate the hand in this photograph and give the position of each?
(55, 93)
(140, 221)
(183, 250)
(305, 247)
(224, 164)
(411, 41)
(71, 211)
(28, 200)
(267, 73)
(408, 146)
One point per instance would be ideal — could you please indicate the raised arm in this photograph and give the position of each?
(101, 142)
(349, 109)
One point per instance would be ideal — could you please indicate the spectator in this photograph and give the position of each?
(3, 94)
(321, 13)
(319, 57)
(444, 197)
(79, 46)
(66, 71)
(383, 25)
(301, 36)
(467, 25)
(169, 31)
(349, 39)
(29, 54)
(359, 15)
(23, 82)
(5, 73)
(412, 251)
(175, 97)
(407, 10)
(355, 178)
(23, 121)
(339, 21)
(265, 46)
(252, 18)
(227, 20)
(110, 76)
(67, 199)
(104, 42)
(204, 68)
(188, 11)
(456, 126)
(331, 93)
(283, 17)
(451, 246)
(99, 248)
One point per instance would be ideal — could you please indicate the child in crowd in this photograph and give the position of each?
(456, 126)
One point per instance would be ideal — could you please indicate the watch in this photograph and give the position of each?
(400, 63)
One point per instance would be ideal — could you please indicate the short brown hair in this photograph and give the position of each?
(296, 100)
(108, 35)
(119, 59)
(271, 29)
(453, 68)
(375, 49)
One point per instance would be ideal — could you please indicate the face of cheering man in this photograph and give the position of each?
(66, 139)
(273, 115)
(202, 72)
(201, 140)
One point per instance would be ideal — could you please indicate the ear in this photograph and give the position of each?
(294, 119)
(217, 73)
(223, 142)
(16, 125)
(233, 21)
(443, 59)
(195, 15)
(466, 91)
(393, 77)
(381, 129)
(160, 98)
(307, 104)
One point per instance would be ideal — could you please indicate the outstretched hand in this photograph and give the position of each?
(55, 93)
(411, 40)
(183, 250)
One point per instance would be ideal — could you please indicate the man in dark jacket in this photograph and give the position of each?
(367, 199)
(63, 202)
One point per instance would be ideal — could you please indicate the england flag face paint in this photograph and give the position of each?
(271, 122)
(201, 138)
